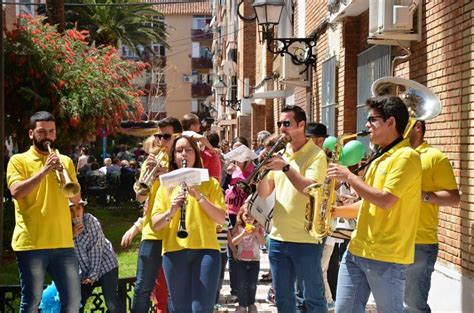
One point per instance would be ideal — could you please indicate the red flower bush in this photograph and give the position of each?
(88, 89)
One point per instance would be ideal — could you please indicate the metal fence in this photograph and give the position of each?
(10, 297)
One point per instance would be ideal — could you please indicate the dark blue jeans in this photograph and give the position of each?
(148, 266)
(63, 267)
(192, 277)
(360, 276)
(247, 272)
(289, 261)
(418, 278)
(221, 275)
(109, 284)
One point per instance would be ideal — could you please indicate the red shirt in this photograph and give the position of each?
(212, 162)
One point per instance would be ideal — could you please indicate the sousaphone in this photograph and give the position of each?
(421, 102)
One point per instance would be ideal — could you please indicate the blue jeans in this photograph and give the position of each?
(63, 267)
(221, 274)
(247, 272)
(359, 276)
(109, 284)
(148, 266)
(192, 277)
(290, 261)
(418, 281)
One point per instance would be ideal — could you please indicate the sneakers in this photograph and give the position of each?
(232, 299)
(241, 309)
(271, 296)
(218, 308)
(331, 306)
(252, 308)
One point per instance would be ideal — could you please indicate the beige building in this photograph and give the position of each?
(180, 82)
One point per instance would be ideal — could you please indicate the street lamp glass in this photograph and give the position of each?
(219, 87)
(268, 11)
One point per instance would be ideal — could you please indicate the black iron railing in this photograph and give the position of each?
(10, 297)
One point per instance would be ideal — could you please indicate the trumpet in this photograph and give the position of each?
(182, 232)
(67, 186)
(322, 197)
(143, 186)
(260, 172)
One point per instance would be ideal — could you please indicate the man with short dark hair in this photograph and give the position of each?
(438, 187)
(293, 253)
(42, 238)
(383, 243)
(317, 132)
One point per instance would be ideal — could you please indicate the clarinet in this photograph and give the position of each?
(182, 232)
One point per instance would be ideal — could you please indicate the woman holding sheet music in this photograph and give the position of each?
(191, 264)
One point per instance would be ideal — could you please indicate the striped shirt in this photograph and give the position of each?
(222, 234)
(95, 253)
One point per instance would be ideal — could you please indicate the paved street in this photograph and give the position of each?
(448, 295)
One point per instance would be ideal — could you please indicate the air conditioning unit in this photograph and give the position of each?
(188, 79)
(393, 19)
(290, 73)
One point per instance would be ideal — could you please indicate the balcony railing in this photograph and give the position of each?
(200, 90)
(201, 63)
(10, 297)
(198, 35)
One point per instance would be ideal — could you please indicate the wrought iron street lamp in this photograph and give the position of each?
(220, 89)
(268, 14)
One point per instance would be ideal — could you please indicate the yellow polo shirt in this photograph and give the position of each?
(42, 217)
(201, 228)
(389, 235)
(290, 204)
(147, 232)
(437, 175)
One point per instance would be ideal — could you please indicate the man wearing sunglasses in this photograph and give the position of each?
(293, 253)
(149, 253)
(383, 243)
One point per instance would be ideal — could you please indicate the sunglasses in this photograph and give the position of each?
(284, 123)
(164, 136)
(372, 119)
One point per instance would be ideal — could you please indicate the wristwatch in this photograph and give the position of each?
(285, 168)
(426, 196)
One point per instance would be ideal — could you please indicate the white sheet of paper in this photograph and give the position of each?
(192, 176)
(241, 154)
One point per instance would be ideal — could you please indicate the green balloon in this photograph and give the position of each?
(330, 143)
(352, 153)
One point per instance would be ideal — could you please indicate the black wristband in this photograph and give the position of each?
(285, 168)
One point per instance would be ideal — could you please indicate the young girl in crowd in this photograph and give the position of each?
(234, 198)
(247, 236)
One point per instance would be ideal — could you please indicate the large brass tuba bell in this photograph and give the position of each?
(422, 103)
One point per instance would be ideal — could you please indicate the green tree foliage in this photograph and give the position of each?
(88, 89)
(133, 23)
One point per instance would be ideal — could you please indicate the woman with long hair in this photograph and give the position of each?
(191, 264)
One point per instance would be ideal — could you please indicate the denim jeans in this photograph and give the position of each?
(247, 272)
(418, 281)
(63, 267)
(148, 266)
(192, 277)
(290, 261)
(109, 284)
(360, 276)
(221, 274)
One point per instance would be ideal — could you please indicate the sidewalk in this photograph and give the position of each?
(450, 292)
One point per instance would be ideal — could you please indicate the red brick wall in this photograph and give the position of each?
(443, 62)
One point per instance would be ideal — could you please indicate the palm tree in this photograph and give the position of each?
(55, 13)
(133, 23)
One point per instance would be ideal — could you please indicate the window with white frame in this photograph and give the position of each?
(328, 95)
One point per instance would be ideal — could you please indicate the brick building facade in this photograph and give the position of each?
(442, 60)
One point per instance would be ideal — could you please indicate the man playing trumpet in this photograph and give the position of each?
(42, 238)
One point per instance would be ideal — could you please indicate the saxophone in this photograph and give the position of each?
(322, 197)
